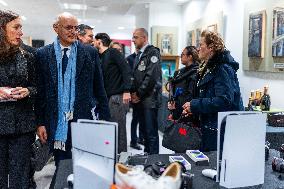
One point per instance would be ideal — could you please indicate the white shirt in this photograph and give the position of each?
(62, 50)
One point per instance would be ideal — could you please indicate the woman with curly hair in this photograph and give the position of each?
(217, 87)
(17, 92)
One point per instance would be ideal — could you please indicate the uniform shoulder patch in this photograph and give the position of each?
(154, 59)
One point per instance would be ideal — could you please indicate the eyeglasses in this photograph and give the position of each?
(70, 28)
(182, 54)
(136, 37)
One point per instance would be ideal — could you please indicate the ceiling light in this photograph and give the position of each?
(121, 28)
(2, 2)
(23, 18)
(99, 8)
(73, 6)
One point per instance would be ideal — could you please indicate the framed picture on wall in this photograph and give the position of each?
(212, 28)
(256, 34)
(166, 39)
(165, 43)
(278, 32)
(190, 38)
(169, 65)
(198, 36)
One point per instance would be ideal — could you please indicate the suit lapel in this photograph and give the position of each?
(53, 65)
(81, 55)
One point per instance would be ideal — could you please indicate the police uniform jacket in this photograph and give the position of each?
(148, 78)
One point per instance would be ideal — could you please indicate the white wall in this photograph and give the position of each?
(233, 35)
(164, 14)
(45, 33)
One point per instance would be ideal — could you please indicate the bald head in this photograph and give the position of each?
(143, 31)
(65, 15)
(140, 38)
(66, 27)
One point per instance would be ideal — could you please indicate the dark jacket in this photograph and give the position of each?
(116, 72)
(131, 59)
(148, 78)
(218, 90)
(18, 71)
(89, 87)
(183, 83)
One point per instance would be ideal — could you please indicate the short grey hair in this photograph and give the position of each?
(82, 28)
(143, 30)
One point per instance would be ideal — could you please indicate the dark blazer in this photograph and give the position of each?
(89, 87)
(18, 71)
(218, 91)
(148, 78)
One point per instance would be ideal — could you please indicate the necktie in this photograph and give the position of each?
(64, 60)
(136, 61)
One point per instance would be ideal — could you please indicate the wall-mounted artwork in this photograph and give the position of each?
(169, 65)
(212, 28)
(165, 43)
(278, 33)
(165, 38)
(190, 38)
(256, 34)
(198, 36)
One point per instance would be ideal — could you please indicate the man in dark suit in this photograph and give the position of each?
(70, 85)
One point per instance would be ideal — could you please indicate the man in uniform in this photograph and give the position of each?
(147, 88)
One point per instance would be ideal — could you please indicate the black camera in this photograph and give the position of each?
(187, 179)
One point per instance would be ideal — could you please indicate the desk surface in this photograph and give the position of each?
(271, 180)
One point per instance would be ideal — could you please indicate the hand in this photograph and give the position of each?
(171, 105)
(186, 109)
(20, 93)
(4, 94)
(42, 134)
(126, 98)
(134, 98)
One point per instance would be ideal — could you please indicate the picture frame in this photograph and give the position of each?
(212, 28)
(169, 64)
(166, 39)
(190, 38)
(165, 43)
(198, 36)
(278, 32)
(256, 34)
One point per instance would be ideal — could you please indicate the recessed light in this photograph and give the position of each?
(2, 2)
(121, 28)
(73, 6)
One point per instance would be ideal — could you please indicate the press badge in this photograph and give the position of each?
(141, 66)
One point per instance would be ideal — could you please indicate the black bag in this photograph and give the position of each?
(180, 137)
(40, 155)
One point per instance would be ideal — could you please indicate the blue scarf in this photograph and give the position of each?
(66, 93)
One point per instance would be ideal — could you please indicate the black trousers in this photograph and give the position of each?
(15, 160)
(148, 117)
(134, 123)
